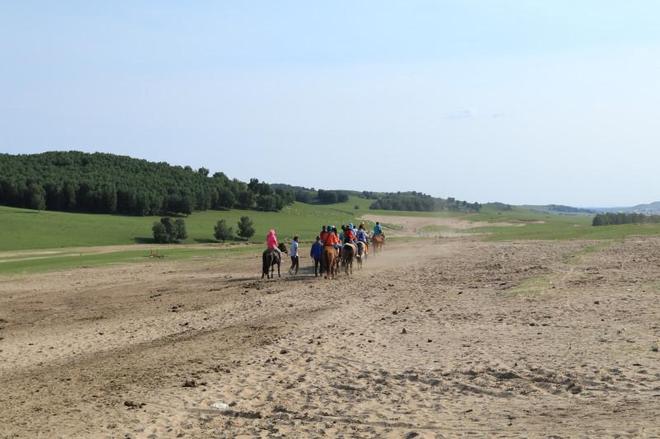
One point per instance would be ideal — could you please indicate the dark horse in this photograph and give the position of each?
(347, 255)
(269, 259)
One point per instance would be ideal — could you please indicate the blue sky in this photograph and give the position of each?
(515, 101)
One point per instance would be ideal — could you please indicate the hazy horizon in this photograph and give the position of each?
(534, 103)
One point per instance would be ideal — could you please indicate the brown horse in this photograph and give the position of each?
(269, 259)
(330, 260)
(361, 254)
(378, 242)
(348, 252)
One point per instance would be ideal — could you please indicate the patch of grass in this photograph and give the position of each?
(532, 285)
(576, 257)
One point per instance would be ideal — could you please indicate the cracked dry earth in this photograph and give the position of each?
(438, 338)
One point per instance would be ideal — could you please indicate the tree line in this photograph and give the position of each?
(106, 183)
(314, 196)
(607, 219)
(417, 201)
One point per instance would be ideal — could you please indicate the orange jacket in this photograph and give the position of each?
(332, 239)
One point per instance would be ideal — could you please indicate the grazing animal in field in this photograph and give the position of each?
(348, 252)
(269, 259)
(330, 258)
(361, 254)
(378, 241)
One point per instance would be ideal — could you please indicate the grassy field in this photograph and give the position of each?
(23, 231)
(528, 224)
(70, 259)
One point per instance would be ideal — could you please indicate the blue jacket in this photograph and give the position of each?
(317, 249)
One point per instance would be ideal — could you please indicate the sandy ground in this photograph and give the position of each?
(447, 227)
(435, 338)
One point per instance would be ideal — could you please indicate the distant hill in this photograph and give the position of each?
(562, 209)
(76, 181)
(404, 201)
(648, 209)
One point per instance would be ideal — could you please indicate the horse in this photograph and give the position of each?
(269, 259)
(330, 260)
(348, 251)
(361, 253)
(378, 241)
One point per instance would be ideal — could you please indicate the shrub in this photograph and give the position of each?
(167, 231)
(160, 233)
(180, 232)
(245, 227)
(222, 231)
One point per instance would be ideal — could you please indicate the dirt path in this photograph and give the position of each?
(437, 339)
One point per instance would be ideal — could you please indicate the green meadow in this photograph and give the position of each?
(70, 259)
(23, 229)
(533, 225)
(28, 231)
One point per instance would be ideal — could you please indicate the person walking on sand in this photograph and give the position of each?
(315, 253)
(294, 256)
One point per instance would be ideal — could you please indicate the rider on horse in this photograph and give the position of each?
(349, 236)
(362, 236)
(271, 241)
(324, 233)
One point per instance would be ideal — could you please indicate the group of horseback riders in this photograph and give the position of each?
(329, 249)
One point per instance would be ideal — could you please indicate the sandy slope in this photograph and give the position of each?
(446, 227)
(441, 338)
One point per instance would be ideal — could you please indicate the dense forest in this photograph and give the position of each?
(608, 219)
(406, 201)
(416, 201)
(108, 183)
(313, 196)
